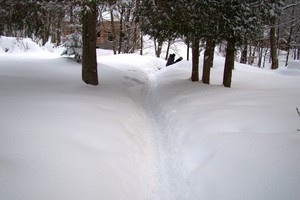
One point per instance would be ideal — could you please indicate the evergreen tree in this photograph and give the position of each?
(73, 46)
(270, 12)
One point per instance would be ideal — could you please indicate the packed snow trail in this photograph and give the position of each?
(165, 175)
(169, 173)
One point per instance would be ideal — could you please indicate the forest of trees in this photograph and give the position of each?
(251, 27)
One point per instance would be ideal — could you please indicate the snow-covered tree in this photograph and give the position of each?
(73, 46)
(155, 20)
(271, 11)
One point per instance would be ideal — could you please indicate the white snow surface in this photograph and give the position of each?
(144, 133)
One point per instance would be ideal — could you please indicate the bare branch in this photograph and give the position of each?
(291, 5)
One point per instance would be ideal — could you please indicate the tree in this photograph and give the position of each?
(208, 60)
(158, 25)
(290, 27)
(271, 12)
(238, 21)
(89, 58)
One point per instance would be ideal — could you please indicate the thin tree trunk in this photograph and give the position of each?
(142, 43)
(89, 59)
(244, 54)
(136, 22)
(168, 49)
(273, 45)
(207, 61)
(260, 56)
(290, 37)
(127, 30)
(188, 49)
(212, 53)
(253, 54)
(158, 47)
(229, 63)
(121, 29)
(195, 60)
(288, 46)
(113, 31)
(265, 55)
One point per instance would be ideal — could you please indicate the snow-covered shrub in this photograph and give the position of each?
(73, 46)
(14, 44)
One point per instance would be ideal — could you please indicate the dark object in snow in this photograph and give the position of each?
(172, 58)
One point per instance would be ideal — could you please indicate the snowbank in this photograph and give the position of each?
(238, 143)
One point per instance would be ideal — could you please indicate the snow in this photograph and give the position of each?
(145, 133)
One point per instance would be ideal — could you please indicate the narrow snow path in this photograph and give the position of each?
(168, 173)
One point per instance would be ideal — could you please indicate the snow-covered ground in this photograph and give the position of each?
(144, 133)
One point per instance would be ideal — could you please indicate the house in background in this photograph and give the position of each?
(109, 37)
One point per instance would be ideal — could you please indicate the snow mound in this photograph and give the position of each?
(17, 45)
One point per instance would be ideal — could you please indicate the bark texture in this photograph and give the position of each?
(195, 61)
(89, 59)
(229, 63)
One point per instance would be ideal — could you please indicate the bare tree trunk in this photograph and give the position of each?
(158, 47)
(229, 63)
(121, 29)
(168, 49)
(89, 58)
(142, 43)
(290, 37)
(127, 30)
(288, 46)
(195, 60)
(208, 59)
(273, 45)
(113, 31)
(244, 54)
(188, 50)
(212, 53)
(260, 56)
(136, 22)
(265, 55)
(253, 55)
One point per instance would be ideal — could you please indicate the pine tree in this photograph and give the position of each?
(73, 46)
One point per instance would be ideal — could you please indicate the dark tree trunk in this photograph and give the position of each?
(207, 60)
(142, 44)
(158, 47)
(89, 59)
(195, 61)
(244, 54)
(260, 56)
(121, 29)
(212, 53)
(273, 46)
(188, 50)
(229, 63)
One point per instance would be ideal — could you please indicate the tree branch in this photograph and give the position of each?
(291, 5)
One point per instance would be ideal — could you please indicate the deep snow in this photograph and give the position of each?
(145, 133)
